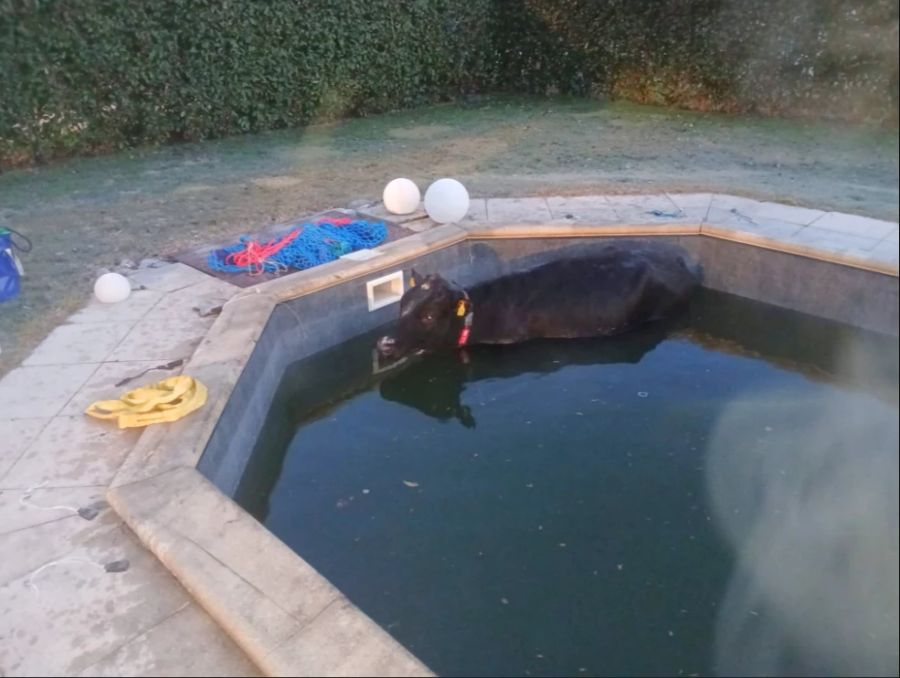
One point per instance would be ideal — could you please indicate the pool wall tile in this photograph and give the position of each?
(862, 298)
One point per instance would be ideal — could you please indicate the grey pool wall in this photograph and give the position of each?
(300, 327)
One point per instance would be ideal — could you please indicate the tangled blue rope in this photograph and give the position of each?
(316, 243)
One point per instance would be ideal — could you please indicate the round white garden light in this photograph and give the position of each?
(446, 201)
(401, 196)
(112, 288)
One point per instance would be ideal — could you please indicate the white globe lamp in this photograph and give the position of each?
(401, 196)
(446, 201)
(112, 288)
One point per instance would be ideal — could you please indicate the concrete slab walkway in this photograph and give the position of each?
(79, 595)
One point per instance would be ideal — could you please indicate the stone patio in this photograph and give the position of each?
(79, 594)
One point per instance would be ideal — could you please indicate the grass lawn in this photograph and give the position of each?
(88, 213)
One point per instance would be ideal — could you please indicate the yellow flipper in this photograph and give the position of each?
(167, 400)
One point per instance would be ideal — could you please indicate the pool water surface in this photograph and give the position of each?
(717, 496)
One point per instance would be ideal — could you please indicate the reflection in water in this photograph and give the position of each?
(435, 384)
(808, 502)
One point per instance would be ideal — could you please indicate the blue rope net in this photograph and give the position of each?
(317, 243)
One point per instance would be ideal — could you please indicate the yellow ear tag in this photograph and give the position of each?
(461, 308)
(412, 282)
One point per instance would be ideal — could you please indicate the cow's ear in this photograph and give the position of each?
(414, 277)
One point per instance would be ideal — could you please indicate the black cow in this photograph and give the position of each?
(620, 286)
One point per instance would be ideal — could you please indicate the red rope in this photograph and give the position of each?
(255, 254)
(340, 221)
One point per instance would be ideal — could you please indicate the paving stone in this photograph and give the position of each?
(649, 209)
(725, 207)
(790, 214)
(163, 335)
(190, 296)
(17, 435)
(72, 451)
(234, 334)
(66, 614)
(188, 643)
(477, 211)
(184, 503)
(152, 262)
(169, 277)
(132, 309)
(886, 251)
(260, 621)
(696, 202)
(38, 544)
(763, 228)
(342, 642)
(832, 241)
(419, 225)
(102, 384)
(79, 343)
(20, 509)
(852, 224)
(695, 206)
(41, 391)
(735, 217)
(582, 209)
(893, 236)
(725, 202)
(361, 255)
(883, 252)
(517, 210)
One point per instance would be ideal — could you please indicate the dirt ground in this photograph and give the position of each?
(89, 213)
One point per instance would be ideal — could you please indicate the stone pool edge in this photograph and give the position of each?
(282, 613)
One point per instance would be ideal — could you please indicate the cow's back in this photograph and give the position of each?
(612, 289)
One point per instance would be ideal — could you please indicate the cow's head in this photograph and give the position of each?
(432, 317)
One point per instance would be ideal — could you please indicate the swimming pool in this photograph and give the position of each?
(716, 496)
(175, 489)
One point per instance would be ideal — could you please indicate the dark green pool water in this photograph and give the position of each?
(715, 498)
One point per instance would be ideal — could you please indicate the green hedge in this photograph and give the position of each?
(82, 76)
(817, 58)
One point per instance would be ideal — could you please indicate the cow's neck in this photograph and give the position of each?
(467, 311)
(490, 314)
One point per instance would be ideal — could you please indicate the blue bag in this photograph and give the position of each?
(10, 267)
